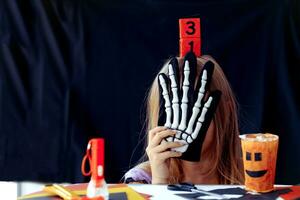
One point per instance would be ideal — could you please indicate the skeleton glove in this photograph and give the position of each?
(184, 107)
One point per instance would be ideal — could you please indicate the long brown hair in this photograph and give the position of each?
(225, 150)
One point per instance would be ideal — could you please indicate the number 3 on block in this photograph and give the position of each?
(189, 28)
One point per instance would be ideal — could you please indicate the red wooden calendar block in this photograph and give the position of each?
(190, 44)
(189, 28)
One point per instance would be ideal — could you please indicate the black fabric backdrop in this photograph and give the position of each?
(72, 70)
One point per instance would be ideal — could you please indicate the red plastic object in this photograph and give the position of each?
(95, 154)
(189, 28)
(190, 44)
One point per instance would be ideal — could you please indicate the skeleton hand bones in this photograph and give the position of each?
(186, 108)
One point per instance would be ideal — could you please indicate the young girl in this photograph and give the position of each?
(220, 154)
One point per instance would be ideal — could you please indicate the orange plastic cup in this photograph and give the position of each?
(259, 157)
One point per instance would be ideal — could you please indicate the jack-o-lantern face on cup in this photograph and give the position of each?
(259, 157)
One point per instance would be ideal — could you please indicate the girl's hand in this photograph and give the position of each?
(159, 153)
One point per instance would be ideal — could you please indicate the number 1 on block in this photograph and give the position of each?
(190, 44)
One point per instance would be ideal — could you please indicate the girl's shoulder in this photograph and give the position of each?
(139, 174)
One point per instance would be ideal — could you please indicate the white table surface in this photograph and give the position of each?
(162, 193)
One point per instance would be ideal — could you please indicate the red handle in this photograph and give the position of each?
(95, 155)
